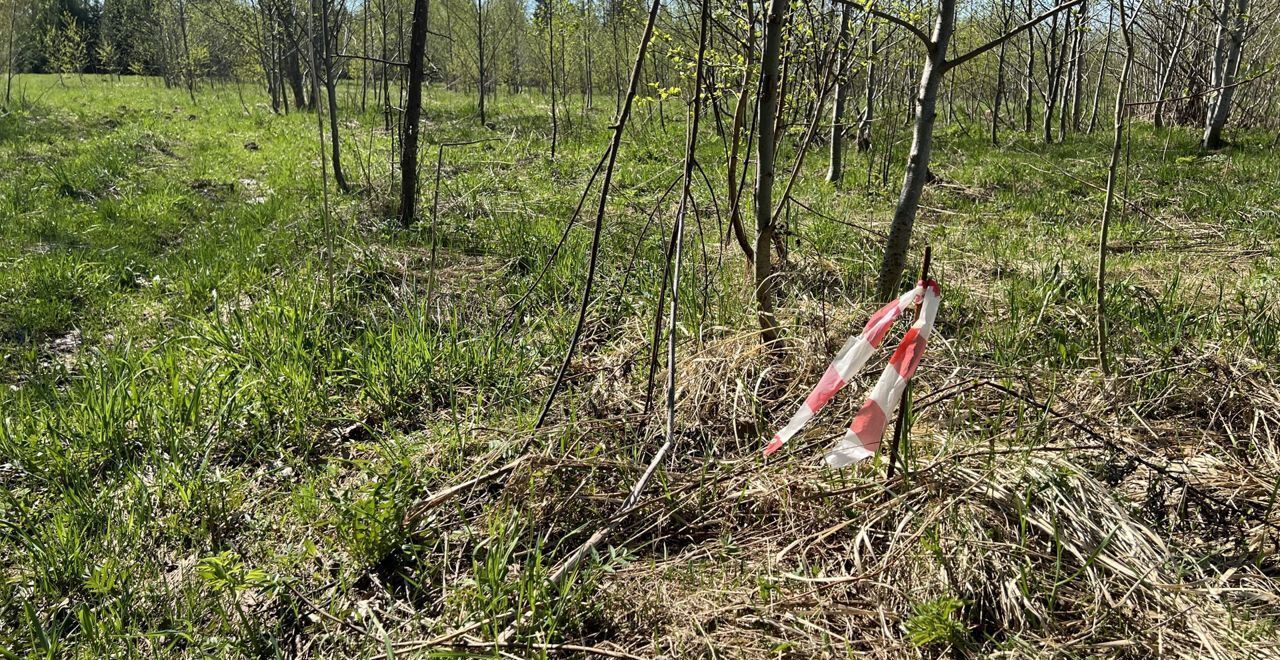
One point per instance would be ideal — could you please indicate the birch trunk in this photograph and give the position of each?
(1226, 63)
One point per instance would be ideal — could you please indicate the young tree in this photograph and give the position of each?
(766, 145)
(107, 58)
(609, 162)
(1102, 68)
(1117, 140)
(1006, 17)
(1170, 66)
(482, 71)
(1053, 77)
(66, 47)
(11, 52)
(895, 255)
(1076, 82)
(413, 112)
(835, 172)
(549, 9)
(187, 66)
(868, 110)
(936, 65)
(323, 68)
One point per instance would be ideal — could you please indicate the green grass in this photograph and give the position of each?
(211, 434)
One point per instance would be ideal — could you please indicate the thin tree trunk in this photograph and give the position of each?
(657, 78)
(1053, 74)
(551, 77)
(1029, 101)
(564, 84)
(999, 96)
(364, 66)
(588, 75)
(835, 172)
(293, 64)
(480, 70)
(586, 61)
(735, 192)
(331, 85)
(1064, 66)
(904, 215)
(617, 64)
(1170, 67)
(766, 118)
(281, 63)
(1078, 63)
(326, 217)
(685, 198)
(273, 81)
(1102, 71)
(13, 29)
(575, 559)
(188, 67)
(738, 183)
(1108, 204)
(386, 77)
(868, 110)
(413, 112)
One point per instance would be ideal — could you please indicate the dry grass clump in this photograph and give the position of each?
(1026, 553)
(1020, 529)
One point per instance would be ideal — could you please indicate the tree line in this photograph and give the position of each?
(776, 79)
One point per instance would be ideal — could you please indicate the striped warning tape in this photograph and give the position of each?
(851, 358)
(862, 439)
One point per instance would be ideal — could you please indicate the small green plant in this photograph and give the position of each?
(226, 574)
(369, 519)
(934, 623)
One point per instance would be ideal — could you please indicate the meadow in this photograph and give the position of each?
(235, 424)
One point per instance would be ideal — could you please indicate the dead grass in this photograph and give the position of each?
(1106, 526)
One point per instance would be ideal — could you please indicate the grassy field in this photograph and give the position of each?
(232, 426)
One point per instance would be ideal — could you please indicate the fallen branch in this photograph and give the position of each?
(443, 640)
(441, 496)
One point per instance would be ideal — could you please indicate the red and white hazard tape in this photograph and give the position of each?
(851, 358)
(862, 439)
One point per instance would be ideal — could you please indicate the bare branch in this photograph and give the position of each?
(903, 23)
(956, 61)
(1206, 92)
(369, 58)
